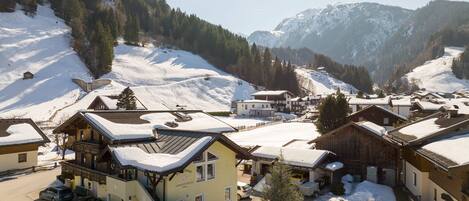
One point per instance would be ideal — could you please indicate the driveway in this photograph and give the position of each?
(26, 187)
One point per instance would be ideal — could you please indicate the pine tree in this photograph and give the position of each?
(105, 49)
(127, 100)
(7, 6)
(281, 187)
(332, 112)
(131, 31)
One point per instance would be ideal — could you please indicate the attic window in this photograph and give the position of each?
(171, 124)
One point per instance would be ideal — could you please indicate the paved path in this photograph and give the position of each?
(26, 187)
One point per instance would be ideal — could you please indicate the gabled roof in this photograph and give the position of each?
(371, 107)
(111, 102)
(172, 152)
(15, 132)
(138, 125)
(367, 127)
(429, 127)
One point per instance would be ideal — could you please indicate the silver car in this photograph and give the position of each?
(57, 193)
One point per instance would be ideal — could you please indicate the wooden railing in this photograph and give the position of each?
(89, 147)
(70, 167)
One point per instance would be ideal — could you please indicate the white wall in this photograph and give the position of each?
(243, 108)
(422, 185)
(10, 161)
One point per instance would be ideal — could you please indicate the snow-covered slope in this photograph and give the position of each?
(39, 45)
(437, 76)
(349, 33)
(320, 82)
(160, 78)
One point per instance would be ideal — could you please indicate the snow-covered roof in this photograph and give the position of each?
(376, 129)
(255, 101)
(455, 148)
(381, 108)
(309, 158)
(158, 162)
(425, 105)
(374, 101)
(298, 144)
(270, 93)
(20, 131)
(129, 125)
(334, 166)
(275, 135)
(402, 102)
(422, 129)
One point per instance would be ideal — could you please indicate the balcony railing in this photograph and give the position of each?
(69, 167)
(84, 146)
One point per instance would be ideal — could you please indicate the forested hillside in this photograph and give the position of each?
(97, 24)
(461, 66)
(351, 74)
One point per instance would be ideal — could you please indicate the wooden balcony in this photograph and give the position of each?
(69, 167)
(88, 147)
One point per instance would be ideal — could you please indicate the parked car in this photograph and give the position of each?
(56, 193)
(244, 190)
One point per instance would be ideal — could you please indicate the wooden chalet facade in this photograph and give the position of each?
(110, 103)
(363, 152)
(377, 115)
(99, 168)
(279, 99)
(430, 170)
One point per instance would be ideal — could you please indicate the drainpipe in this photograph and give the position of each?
(164, 189)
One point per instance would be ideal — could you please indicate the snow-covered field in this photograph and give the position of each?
(39, 45)
(239, 121)
(436, 75)
(321, 83)
(275, 135)
(160, 78)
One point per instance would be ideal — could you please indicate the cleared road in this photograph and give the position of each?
(27, 187)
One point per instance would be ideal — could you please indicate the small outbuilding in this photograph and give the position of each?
(28, 75)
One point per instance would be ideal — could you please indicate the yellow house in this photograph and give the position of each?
(152, 155)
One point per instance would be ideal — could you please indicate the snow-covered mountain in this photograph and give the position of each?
(436, 75)
(160, 78)
(349, 33)
(320, 82)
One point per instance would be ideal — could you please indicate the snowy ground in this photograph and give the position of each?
(160, 78)
(39, 45)
(27, 187)
(437, 76)
(321, 82)
(364, 191)
(275, 135)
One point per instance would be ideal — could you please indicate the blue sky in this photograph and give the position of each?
(246, 16)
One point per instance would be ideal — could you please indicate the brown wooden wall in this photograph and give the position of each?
(357, 150)
(18, 148)
(376, 116)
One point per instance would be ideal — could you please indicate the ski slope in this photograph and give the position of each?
(436, 75)
(160, 78)
(39, 45)
(321, 83)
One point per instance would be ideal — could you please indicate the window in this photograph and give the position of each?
(415, 178)
(245, 107)
(228, 194)
(199, 197)
(81, 135)
(22, 158)
(200, 172)
(386, 121)
(253, 105)
(210, 171)
(435, 193)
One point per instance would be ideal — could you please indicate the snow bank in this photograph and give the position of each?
(334, 166)
(276, 135)
(364, 191)
(158, 162)
(321, 82)
(455, 148)
(436, 75)
(238, 121)
(20, 134)
(292, 156)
